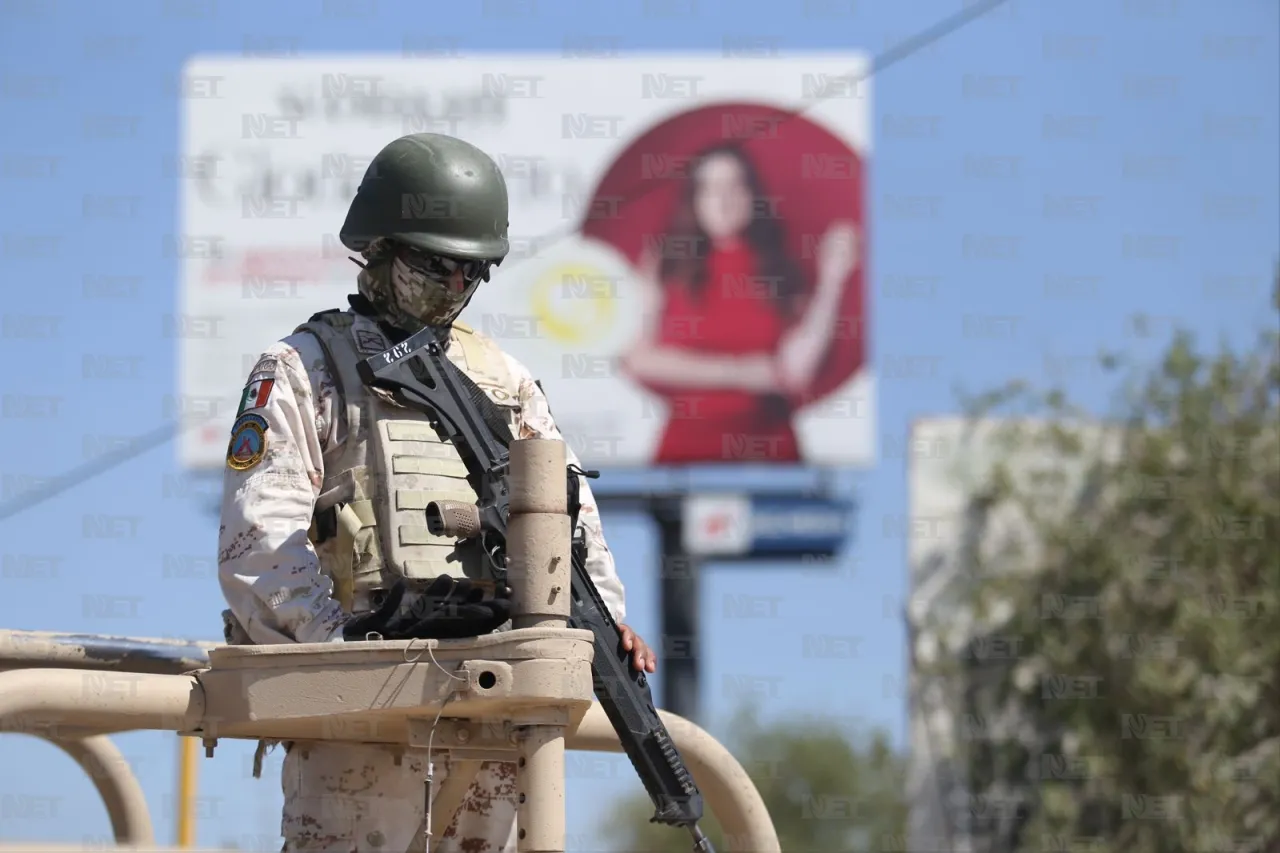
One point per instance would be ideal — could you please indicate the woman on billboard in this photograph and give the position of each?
(736, 334)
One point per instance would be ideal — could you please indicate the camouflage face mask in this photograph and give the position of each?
(413, 288)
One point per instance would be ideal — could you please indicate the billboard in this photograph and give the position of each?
(765, 526)
(689, 251)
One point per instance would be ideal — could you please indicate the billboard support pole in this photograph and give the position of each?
(679, 601)
(680, 570)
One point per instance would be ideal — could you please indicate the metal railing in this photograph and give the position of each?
(39, 683)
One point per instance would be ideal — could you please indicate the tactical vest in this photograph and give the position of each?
(369, 526)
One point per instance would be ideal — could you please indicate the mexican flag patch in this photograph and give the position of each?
(256, 395)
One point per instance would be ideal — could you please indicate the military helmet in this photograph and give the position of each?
(435, 193)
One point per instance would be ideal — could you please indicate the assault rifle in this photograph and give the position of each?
(419, 374)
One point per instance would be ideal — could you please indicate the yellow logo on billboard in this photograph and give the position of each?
(574, 303)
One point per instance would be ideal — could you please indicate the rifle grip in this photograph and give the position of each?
(455, 519)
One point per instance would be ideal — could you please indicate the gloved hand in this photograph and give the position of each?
(450, 608)
(360, 627)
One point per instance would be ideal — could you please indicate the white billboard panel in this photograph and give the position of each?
(605, 295)
(717, 524)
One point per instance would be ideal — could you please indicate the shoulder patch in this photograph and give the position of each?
(257, 392)
(265, 365)
(248, 443)
(369, 342)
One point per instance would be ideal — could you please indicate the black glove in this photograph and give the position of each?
(449, 609)
(375, 621)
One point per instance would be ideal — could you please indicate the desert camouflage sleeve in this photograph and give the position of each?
(268, 569)
(536, 422)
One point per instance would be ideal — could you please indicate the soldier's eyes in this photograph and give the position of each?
(441, 266)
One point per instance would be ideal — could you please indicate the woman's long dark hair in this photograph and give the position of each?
(764, 234)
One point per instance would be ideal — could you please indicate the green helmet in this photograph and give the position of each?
(435, 193)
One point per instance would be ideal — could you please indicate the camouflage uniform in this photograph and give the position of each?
(344, 797)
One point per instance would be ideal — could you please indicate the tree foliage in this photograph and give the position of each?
(1128, 583)
(826, 792)
(1141, 711)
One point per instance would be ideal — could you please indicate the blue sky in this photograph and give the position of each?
(1037, 179)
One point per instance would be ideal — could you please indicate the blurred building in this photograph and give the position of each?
(972, 775)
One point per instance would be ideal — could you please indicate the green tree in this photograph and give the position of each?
(826, 792)
(1142, 711)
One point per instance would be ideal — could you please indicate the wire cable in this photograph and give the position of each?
(894, 55)
(83, 473)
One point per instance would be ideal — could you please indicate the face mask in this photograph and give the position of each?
(417, 288)
(433, 288)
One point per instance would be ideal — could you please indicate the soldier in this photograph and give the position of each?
(323, 534)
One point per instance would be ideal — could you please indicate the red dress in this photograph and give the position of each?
(734, 315)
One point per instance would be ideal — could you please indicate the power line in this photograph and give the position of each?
(136, 447)
(162, 435)
(900, 51)
(930, 35)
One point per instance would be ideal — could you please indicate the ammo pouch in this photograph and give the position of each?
(346, 529)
